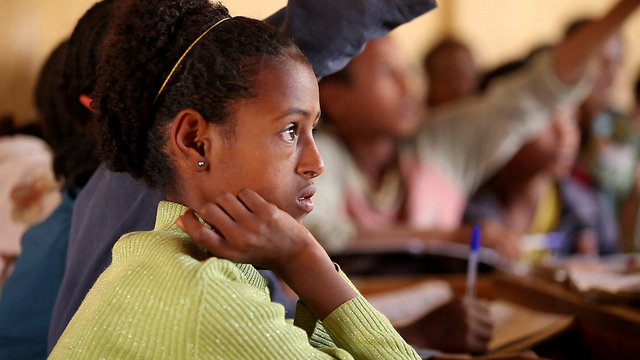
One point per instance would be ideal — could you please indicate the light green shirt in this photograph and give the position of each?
(165, 297)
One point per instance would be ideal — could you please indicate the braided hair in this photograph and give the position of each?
(69, 73)
(144, 44)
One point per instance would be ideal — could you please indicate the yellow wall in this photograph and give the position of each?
(498, 30)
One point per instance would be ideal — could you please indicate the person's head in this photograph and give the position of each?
(48, 100)
(237, 112)
(373, 96)
(68, 74)
(605, 71)
(451, 72)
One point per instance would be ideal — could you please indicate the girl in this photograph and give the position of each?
(218, 112)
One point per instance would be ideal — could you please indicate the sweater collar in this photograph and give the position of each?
(167, 214)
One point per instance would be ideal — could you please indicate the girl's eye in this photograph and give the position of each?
(290, 133)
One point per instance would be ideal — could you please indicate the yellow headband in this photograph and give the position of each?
(182, 57)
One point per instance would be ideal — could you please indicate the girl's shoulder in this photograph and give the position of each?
(173, 254)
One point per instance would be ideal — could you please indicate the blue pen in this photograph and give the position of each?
(472, 266)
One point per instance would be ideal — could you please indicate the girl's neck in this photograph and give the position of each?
(373, 155)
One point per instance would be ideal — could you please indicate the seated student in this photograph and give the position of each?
(450, 71)
(27, 303)
(534, 194)
(388, 177)
(23, 332)
(608, 139)
(113, 204)
(245, 160)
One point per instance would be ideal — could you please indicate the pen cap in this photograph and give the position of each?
(475, 237)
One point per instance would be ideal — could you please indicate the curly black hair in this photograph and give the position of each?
(145, 42)
(50, 106)
(69, 73)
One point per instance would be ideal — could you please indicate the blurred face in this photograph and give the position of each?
(606, 70)
(271, 149)
(568, 134)
(380, 98)
(453, 75)
(555, 148)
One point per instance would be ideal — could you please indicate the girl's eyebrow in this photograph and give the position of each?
(297, 111)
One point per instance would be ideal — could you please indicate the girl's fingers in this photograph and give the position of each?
(255, 203)
(198, 232)
(222, 222)
(483, 334)
(480, 313)
(235, 208)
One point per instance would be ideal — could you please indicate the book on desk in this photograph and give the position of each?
(515, 327)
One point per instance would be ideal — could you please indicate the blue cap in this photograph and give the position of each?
(475, 237)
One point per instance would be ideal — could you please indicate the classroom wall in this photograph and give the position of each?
(497, 29)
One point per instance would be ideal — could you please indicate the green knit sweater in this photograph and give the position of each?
(165, 297)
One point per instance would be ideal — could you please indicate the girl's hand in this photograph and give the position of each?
(251, 230)
(248, 229)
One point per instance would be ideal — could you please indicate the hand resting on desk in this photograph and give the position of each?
(458, 326)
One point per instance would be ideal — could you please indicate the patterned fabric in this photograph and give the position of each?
(28, 192)
(30, 292)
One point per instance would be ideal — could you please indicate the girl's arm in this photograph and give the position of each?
(251, 230)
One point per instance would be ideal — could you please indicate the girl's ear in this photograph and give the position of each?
(190, 139)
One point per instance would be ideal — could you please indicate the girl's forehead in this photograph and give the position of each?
(288, 87)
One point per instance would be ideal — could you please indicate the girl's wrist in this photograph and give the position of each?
(314, 278)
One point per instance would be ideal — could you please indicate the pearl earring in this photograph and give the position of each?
(200, 163)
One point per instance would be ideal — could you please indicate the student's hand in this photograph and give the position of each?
(502, 239)
(254, 231)
(248, 229)
(520, 355)
(459, 326)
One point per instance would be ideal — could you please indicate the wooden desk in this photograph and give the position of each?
(601, 331)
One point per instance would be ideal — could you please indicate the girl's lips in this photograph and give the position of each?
(304, 200)
(306, 204)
